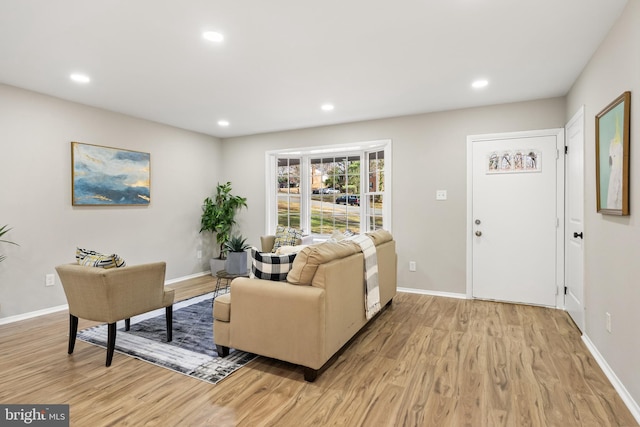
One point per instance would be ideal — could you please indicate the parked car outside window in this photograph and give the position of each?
(329, 191)
(350, 199)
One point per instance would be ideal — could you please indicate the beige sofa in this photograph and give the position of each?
(310, 317)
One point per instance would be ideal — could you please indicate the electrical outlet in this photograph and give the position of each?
(49, 280)
(608, 321)
(412, 266)
(441, 194)
(199, 254)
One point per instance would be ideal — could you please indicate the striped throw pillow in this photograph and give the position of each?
(90, 258)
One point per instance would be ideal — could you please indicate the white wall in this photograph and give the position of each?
(429, 153)
(35, 195)
(612, 244)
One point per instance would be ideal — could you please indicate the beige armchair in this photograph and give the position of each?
(109, 295)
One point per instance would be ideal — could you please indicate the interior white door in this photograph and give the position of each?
(515, 219)
(574, 266)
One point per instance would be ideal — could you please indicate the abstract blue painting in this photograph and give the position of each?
(109, 176)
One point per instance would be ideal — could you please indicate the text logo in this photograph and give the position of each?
(34, 415)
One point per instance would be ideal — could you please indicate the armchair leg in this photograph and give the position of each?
(169, 316)
(127, 324)
(111, 342)
(73, 331)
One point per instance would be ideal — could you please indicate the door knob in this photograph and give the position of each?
(478, 233)
(576, 235)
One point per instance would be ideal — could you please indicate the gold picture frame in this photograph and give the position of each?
(612, 156)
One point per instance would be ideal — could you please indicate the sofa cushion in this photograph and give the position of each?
(286, 236)
(380, 236)
(270, 266)
(308, 259)
(91, 258)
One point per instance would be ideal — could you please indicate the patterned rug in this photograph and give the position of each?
(192, 351)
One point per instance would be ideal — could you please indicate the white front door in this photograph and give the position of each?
(515, 216)
(574, 280)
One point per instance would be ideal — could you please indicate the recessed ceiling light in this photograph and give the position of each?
(213, 36)
(327, 107)
(479, 84)
(223, 123)
(80, 78)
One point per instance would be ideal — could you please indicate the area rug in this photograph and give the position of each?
(192, 351)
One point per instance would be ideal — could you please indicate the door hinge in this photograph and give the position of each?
(565, 290)
(566, 149)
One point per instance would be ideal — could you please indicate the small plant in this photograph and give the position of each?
(236, 244)
(4, 230)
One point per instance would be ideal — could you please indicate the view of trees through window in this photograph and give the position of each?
(335, 194)
(331, 193)
(289, 208)
(375, 190)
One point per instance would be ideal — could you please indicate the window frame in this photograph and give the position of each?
(305, 154)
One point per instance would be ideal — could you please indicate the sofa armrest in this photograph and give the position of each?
(279, 320)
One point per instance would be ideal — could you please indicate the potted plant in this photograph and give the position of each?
(4, 230)
(218, 217)
(236, 248)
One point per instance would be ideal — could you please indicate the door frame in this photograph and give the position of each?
(579, 119)
(560, 202)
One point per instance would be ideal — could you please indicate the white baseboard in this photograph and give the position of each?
(50, 310)
(615, 381)
(432, 293)
(191, 276)
(32, 314)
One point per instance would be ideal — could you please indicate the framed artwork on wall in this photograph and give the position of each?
(109, 176)
(612, 156)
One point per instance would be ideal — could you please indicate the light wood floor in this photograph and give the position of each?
(425, 361)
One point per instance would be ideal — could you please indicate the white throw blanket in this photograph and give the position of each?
(371, 289)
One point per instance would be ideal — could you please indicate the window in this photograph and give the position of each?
(288, 192)
(335, 194)
(337, 188)
(375, 190)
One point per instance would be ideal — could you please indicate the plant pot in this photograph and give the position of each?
(216, 264)
(236, 263)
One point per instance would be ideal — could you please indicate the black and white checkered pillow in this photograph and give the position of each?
(269, 266)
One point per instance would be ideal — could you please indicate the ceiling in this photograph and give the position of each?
(282, 59)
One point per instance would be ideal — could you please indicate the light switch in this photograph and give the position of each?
(441, 194)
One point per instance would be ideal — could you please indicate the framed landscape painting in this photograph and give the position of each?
(109, 176)
(612, 157)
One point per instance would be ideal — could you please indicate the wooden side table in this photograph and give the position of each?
(223, 280)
